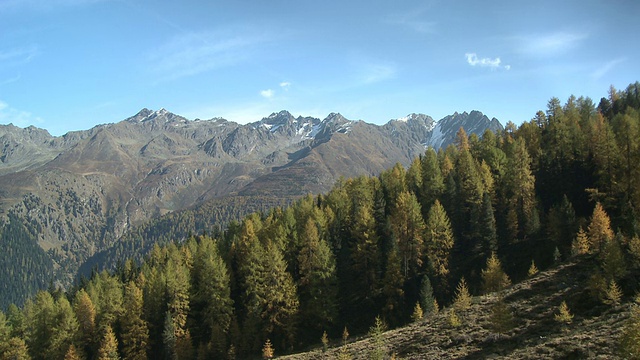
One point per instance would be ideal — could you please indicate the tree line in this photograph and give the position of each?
(563, 184)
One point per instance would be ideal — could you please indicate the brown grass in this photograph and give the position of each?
(593, 332)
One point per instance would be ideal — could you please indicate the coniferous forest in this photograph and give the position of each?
(475, 217)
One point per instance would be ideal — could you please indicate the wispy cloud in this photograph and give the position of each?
(493, 63)
(10, 80)
(42, 5)
(267, 94)
(17, 117)
(16, 56)
(371, 73)
(413, 20)
(194, 53)
(549, 44)
(604, 69)
(285, 85)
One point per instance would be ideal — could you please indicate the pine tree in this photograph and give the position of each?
(613, 294)
(493, 277)
(211, 292)
(520, 189)
(86, 314)
(376, 332)
(267, 350)
(344, 354)
(392, 289)
(40, 319)
(135, 334)
(453, 319)
(169, 339)
(16, 349)
(432, 180)
(488, 232)
(418, 314)
(72, 353)
(462, 300)
(65, 330)
(630, 338)
(108, 346)
(599, 231)
(533, 269)
(501, 319)
(563, 315)
(580, 244)
(613, 262)
(439, 240)
(426, 299)
(318, 282)
(325, 341)
(408, 228)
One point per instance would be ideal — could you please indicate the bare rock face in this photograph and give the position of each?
(77, 194)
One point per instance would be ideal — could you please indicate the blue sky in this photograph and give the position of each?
(72, 64)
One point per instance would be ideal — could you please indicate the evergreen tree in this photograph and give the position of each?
(408, 228)
(432, 180)
(65, 330)
(392, 289)
(493, 277)
(135, 334)
(318, 282)
(267, 350)
(520, 189)
(563, 316)
(40, 318)
(169, 339)
(580, 244)
(108, 346)
(377, 338)
(439, 240)
(488, 233)
(16, 349)
(630, 338)
(426, 299)
(418, 314)
(613, 262)
(212, 305)
(599, 231)
(86, 315)
(462, 300)
(72, 353)
(501, 319)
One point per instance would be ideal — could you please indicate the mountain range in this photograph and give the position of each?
(78, 194)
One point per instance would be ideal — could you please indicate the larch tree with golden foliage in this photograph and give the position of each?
(599, 231)
(493, 277)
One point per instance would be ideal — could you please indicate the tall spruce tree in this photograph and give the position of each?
(134, 331)
(407, 226)
(439, 240)
(318, 282)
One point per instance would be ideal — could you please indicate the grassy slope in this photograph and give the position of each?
(593, 332)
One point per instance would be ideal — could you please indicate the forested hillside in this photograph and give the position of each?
(472, 218)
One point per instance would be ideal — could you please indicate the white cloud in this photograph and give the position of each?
(549, 44)
(285, 85)
(267, 94)
(602, 70)
(194, 53)
(495, 63)
(17, 117)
